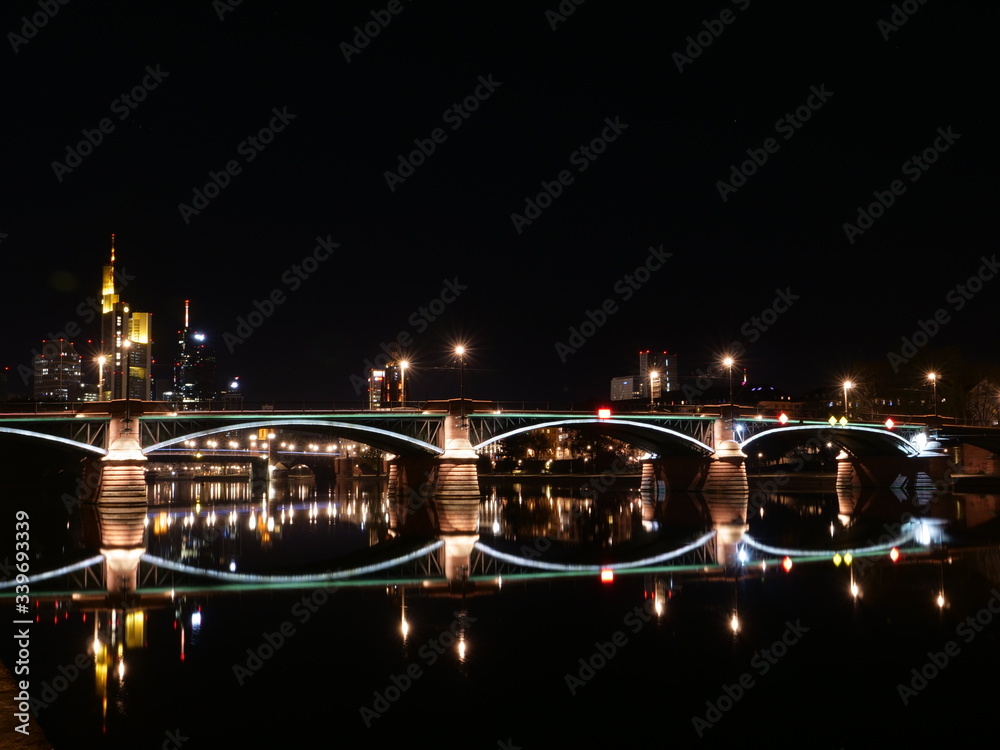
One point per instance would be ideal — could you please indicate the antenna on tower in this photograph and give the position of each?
(187, 302)
(112, 248)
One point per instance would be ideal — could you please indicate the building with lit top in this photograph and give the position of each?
(126, 342)
(194, 368)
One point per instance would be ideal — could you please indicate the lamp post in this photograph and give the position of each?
(932, 376)
(402, 381)
(460, 351)
(126, 347)
(728, 362)
(847, 384)
(653, 377)
(100, 377)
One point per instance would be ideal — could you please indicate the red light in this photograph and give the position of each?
(889, 424)
(607, 575)
(787, 564)
(603, 413)
(782, 417)
(894, 554)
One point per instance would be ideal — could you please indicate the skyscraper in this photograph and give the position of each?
(118, 325)
(194, 368)
(58, 372)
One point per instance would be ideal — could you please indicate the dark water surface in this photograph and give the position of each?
(649, 659)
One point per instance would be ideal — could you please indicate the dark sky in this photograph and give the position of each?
(870, 97)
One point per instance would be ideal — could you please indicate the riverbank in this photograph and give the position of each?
(9, 736)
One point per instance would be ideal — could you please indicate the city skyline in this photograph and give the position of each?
(813, 190)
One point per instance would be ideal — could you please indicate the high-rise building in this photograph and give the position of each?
(660, 370)
(657, 375)
(58, 372)
(194, 368)
(385, 386)
(126, 343)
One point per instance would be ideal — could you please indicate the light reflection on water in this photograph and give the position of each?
(201, 637)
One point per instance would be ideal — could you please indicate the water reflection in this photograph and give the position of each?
(157, 633)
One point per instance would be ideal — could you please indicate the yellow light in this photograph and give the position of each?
(832, 421)
(837, 559)
(848, 558)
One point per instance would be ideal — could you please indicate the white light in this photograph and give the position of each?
(196, 619)
(742, 555)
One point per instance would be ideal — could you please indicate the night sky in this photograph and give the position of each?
(609, 117)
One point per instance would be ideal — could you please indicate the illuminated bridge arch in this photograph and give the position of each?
(856, 439)
(652, 438)
(376, 437)
(55, 439)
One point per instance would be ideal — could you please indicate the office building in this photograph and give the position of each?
(126, 343)
(58, 372)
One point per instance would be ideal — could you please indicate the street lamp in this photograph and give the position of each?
(126, 346)
(932, 376)
(653, 376)
(728, 362)
(460, 351)
(402, 381)
(100, 377)
(847, 384)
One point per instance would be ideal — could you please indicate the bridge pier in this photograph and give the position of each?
(727, 472)
(925, 474)
(122, 502)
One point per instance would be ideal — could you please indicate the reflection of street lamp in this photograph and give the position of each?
(100, 377)
(847, 384)
(402, 381)
(933, 378)
(460, 351)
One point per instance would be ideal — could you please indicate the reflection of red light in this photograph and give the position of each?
(894, 554)
(603, 413)
(787, 564)
(607, 575)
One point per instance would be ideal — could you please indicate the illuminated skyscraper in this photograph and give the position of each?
(194, 368)
(119, 324)
(57, 372)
